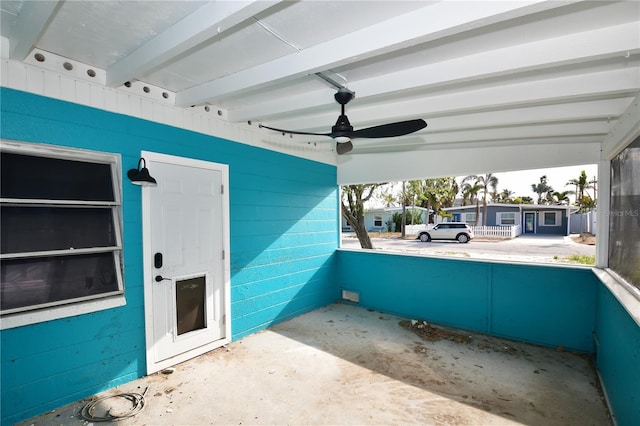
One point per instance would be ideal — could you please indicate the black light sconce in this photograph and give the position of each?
(141, 176)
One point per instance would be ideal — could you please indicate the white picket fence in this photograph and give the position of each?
(414, 229)
(497, 231)
(479, 231)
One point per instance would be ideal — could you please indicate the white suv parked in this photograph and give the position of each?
(447, 231)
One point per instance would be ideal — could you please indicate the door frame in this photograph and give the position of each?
(524, 227)
(147, 255)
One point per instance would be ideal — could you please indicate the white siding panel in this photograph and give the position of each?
(4, 73)
(124, 106)
(158, 113)
(52, 85)
(35, 81)
(183, 119)
(110, 100)
(17, 76)
(135, 106)
(83, 93)
(147, 109)
(97, 96)
(67, 89)
(72, 88)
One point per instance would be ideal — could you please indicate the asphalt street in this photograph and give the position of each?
(546, 249)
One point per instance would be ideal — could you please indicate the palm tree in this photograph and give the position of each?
(505, 196)
(470, 193)
(582, 183)
(486, 181)
(542, 188)
(434, 193)
(561, 197)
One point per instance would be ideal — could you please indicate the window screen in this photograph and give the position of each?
(34, 177)
(507, 218)
(624, 214)
(549, 218)
(61, 239)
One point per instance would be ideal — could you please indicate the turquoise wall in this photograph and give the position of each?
(618, 358)
(516, 301)
(542, 304)
(284, 232)
(284, 220)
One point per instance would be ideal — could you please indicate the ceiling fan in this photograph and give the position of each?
(342, 132)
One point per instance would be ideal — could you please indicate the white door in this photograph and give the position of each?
(186, 285)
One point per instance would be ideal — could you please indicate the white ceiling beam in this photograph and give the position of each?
(580, 87)
(396, 33)
(595, 128)
(554, 113)
(615, 41)
(205, 23)
(625, 131)
(31, 22)
(416, 145)
(378, 167)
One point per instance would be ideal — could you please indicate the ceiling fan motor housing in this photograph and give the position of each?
(343, 96)
(342, 130)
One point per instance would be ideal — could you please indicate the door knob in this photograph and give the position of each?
(159, 278)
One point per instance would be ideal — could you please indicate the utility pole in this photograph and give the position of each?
(404, 211)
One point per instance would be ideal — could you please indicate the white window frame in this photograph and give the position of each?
(48, 312)
(375, 220)
(499, 218)
(557, 215)
(468, 217)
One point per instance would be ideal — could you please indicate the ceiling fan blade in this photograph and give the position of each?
(343, 148)
(293, 132)
(400, 128)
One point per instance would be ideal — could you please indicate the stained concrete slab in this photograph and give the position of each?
(344, 365)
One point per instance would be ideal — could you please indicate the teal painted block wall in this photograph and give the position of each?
(284, 221)
(516, 301)
(618, 358)
(542, 304)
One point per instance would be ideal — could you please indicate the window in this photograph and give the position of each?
(61, 240)
(377, 219)
(624, 214)
(469, 217)
(506, 218)
(550, 219)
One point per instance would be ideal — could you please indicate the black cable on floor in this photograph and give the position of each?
(137, 405)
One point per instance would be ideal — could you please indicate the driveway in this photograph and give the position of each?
(545, 249)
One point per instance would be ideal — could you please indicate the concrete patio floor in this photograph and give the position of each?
(344, 365)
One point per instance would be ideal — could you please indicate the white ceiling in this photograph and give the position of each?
(482, 74)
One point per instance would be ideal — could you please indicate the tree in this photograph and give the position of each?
(470, 193)
(542, 188)
(505, 196)
(412, 217)
(353, 199)
(561, 197)
(433, 193)
(404, 201)
(523, 200)
(486, 181)
(582, 184)
(588, 203)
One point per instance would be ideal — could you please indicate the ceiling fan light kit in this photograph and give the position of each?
(342, 132)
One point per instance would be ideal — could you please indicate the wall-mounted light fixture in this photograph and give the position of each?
(141, 176)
